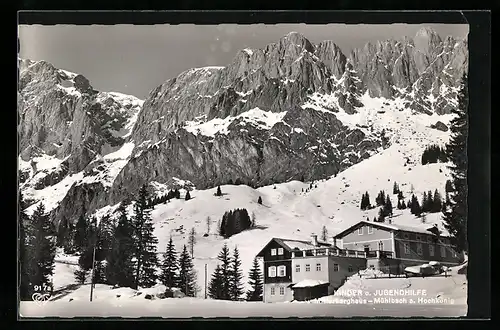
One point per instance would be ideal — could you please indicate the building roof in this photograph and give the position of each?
(309, 284)
(293, 244)
(420, 228)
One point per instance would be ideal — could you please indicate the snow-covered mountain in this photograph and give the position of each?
(270, 118)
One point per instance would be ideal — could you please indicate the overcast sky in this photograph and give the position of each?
(134, 59)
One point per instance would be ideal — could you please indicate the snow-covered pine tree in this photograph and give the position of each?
(192, 241)
(436, 202)
(236, 276)
(44, 249)
(26, 236)
(146, 242)
(255, 281)
(225, 264)
(187, 279)
(81, 233)
(455, 217)
(324, 234)
(169, 269)
(425, 203)
(387, 207)
(119, 262)
(188, 196)
(216, 284)
(430, 201)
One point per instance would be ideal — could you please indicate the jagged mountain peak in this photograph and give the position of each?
(297, 39)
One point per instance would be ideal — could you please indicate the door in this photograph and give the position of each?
(367, 248)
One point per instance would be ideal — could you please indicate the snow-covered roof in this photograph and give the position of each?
(424, 228)
(308, 283)
(298, 244)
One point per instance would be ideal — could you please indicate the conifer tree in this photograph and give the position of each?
(324, 234)
(381, 215)
(225, 265)
(81, 233)
(208, 222)
(400, 195)
(236, 276)
(399, 205)
(216, 284)
(254, 220)
(430, 202)
(188, 196)
(219, 192)
(259, 200)
(169, 268)
(119, 262)
(44, 248)
(395, 188)
(192, 241)
(387, 207)
(436, 202)
(403, 205)
(146, 242)
(380, 200)
(449, 186)
(455, 218)
(255, 281)
(424, 202)
(186, 275)
(62, 232)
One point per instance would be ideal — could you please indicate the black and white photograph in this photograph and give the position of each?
(230, 170)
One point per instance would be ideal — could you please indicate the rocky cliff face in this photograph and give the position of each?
(272, 115)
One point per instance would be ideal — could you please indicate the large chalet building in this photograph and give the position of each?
(302, 270)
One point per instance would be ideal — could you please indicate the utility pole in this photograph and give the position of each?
(92, 276)
(205, 281)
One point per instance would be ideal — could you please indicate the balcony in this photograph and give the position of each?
(341, 253)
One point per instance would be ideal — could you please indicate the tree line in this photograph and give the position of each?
(433, 154)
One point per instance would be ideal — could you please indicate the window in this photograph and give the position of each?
(406, 236)
(272, 271)
(308, 268)
(349, 269)
(297, 268)
(335, 267)
(429, 239)
(272, 291)
(418, 237)
(431, 250)
(273, 252)
(407, 248)
(280, 251)
(360, 231)
(282, 291)
(443, 251)
(318, 267)
(370, 230)
(281, 271)
(381, 246)
(420, 250)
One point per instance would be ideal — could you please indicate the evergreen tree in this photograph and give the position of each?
(387, 207)
(119, 262)
(186, 276)
(192, 241)
(400, 195)
(254, 220)
(259, 200)
(25, 252)
(395, 188)
(146, 242)
(81, 233)
(399, 205)
(374, 219)
(62, 232)
(430, 202)
(367, 201)
(425, 203)
(219, 192)
(455, 218)
(69, 244)
(188, 196)
(324, 234)
(44, 249)
(208, 222)
(255, 281)
(236, 276)
(380, 200)
(448, 186)
(381, 215)
(225, 260)
(216, 284)
(403, 205)
(169, 268)
(436, 202)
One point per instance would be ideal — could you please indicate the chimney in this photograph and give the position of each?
(314, 239)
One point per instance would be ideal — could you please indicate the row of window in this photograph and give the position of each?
(420, 250)
(282, 291)
(281, 271)
(278, 251)
(370, 230)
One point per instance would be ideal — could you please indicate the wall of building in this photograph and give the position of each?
(336, 277)
(385, 265)
(426, 242)
(277, 278)
(313, 274)
(355, 241)
(277, 297)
